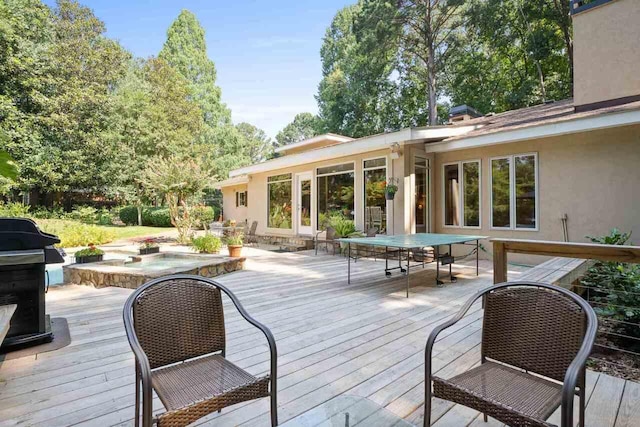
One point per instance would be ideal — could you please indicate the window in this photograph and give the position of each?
(375, 202)
(462, 194)
(279, 203)
(335, 193)
(514, 201)
(241, 198)
(421, 188)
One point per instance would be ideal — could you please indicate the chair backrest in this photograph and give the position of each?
(252, 230)
(376, 213)
(331, 233)
(176, 320)
(536, 329)
(371, 232)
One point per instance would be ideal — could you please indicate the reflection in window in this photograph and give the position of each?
(335, 193)
(305, 203)
(375, 176)
(451, 195)
(471, 188)
(420, 167)
(500, 193)
(279, 204)
(525, 172)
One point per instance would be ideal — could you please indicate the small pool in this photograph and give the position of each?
(161, 264)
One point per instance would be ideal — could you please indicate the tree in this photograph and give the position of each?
(303, 126)
(256, 145)
(178, 180)
(186, 51)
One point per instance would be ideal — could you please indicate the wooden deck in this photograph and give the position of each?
(364, 339)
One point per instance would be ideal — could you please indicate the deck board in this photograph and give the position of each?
(364, 339)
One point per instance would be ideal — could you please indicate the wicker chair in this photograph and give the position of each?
(329, 240)
(527, 327)
(250, 237)
(175, 326)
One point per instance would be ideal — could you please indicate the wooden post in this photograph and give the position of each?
(499, 263)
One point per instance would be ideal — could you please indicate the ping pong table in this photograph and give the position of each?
(405, 246)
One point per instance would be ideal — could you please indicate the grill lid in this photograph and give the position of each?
(19, 234)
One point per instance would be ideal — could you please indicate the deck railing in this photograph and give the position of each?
(617, 304)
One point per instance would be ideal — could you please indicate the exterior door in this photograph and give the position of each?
(303, 197)
(421, 195)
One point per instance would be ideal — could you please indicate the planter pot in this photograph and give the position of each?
(147, 251)
(389, 196)
(87, 259)
(235, 251)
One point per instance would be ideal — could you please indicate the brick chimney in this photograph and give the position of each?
(606, 53)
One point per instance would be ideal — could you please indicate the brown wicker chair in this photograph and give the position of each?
(175, 326)
(527, 328)
(329, 240)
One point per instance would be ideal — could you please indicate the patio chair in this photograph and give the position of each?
(329, 240)
(250, 237)
(536, 339)
(175, 326)
(376, 217)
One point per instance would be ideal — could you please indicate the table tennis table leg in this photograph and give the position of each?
(436, 253)
(451, 276)
(348, 263)
(477, 257)
(407, 273)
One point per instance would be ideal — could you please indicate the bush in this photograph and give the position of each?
(73, 234)
(344, 227)
(207, 244)
(203, 216)
(160, 217)
(90, 251)
(85, 214)
(128, 215)
(13, 210)
(41, 212)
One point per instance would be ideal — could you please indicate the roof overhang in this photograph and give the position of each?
(236, 180)
(578, 125)
(329, 137)
(358, 146)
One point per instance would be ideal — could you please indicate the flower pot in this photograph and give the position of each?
(147, 251)
(235, 251)
(87, 259)
(389, 196)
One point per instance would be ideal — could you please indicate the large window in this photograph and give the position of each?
(279, 215)
(514, 198)
(375, 203)
(462, 194)
(421, 188)
(335, 193)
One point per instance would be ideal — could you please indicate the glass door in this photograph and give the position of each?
(303, 193)
(421, 168)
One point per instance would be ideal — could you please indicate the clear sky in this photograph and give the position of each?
(267, 52)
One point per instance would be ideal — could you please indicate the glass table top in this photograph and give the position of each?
(347, 411)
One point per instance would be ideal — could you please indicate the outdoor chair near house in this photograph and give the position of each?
(376, 217)
(250, 238)
(328, 241)
(176, 329)
(536, 339)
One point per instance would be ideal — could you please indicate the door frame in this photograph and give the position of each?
(299, 229)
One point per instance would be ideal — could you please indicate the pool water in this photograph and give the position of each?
(161, 263)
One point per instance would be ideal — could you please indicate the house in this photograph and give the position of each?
(557, 171)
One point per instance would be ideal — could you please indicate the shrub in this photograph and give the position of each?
(14, 210)
(160, 217)
(85, 214)
(203, 216)
(344, 227)
(41, 212)
(90, 251)
(73, 234)
(207, 244)
(128, 215)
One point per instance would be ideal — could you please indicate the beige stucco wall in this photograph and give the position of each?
(606, 49)
(592, 177)
(229, 209)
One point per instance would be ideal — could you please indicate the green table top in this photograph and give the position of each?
(409, 241)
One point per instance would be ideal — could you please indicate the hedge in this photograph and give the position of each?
(160, 217)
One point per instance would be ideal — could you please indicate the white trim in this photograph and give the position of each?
(353, 169)
(460, 165)
(238, 180)
(364, 191)
(569, 126)
(317, 193)
(357, 146)
(427, 168)
(512, 192)
(310, 141)
(278, 230)
(302, 176)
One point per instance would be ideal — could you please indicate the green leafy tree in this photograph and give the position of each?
(256, 145)
(303, 126)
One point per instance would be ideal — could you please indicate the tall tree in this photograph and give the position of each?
(186, 51)
(303, 126)
(256, 145)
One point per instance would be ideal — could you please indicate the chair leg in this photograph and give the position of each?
(427, 403)
(582, 397)
(274, 411)
(485, 418)
(137, 410)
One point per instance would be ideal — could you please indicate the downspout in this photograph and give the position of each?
(565, 229)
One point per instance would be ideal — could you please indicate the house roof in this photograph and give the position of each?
(325, 139)
(230, 182)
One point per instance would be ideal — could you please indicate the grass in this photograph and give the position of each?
(130, 231)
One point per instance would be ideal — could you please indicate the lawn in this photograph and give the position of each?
(75, 233)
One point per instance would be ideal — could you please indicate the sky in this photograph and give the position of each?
(266, 52)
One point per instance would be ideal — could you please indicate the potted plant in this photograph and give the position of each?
(149, 246)
(89, 254)
(391, 188)
(234, 244)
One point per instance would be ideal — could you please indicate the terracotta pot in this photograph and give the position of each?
(235, 251)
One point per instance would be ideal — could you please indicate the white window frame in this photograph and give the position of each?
(315, 183)
(460, 165)
(512, 191)
(364, 195)
(280, 230)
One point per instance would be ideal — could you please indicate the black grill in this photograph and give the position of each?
(24, 252)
